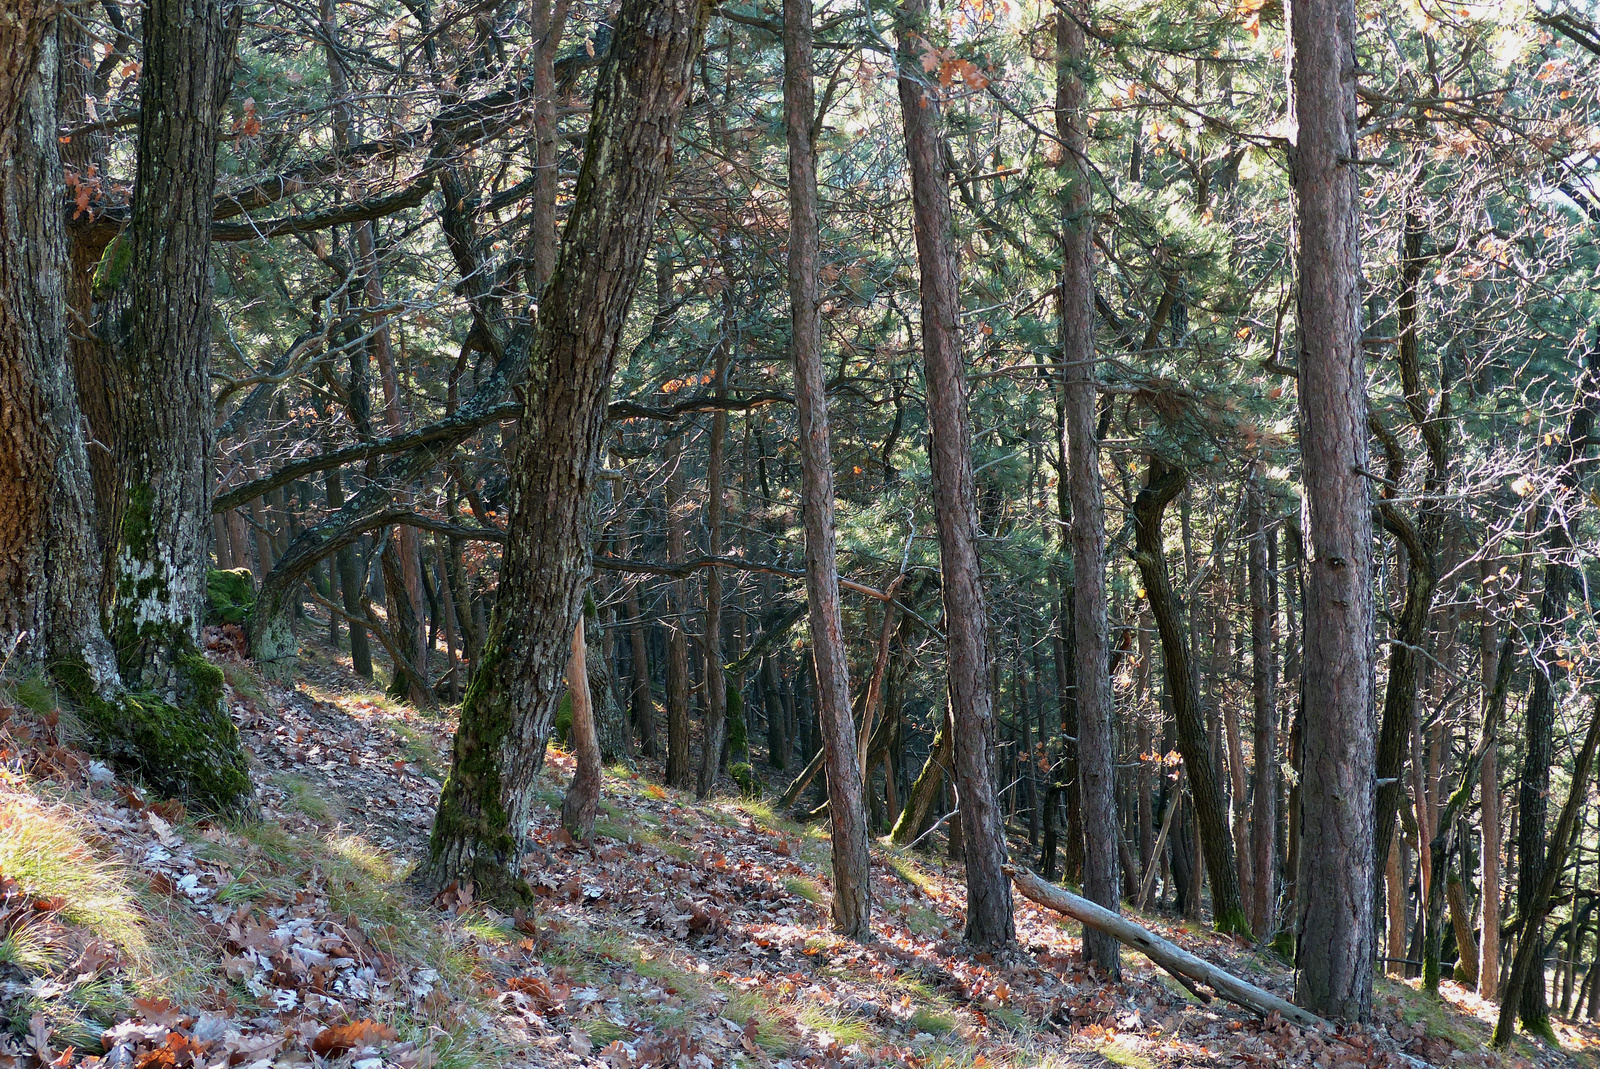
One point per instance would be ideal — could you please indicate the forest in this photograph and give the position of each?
(739, 533)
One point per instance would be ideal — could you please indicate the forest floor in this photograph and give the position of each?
(136, 936)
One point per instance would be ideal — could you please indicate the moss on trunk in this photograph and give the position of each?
(188, 750)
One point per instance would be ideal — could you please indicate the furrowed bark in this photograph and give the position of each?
(1334, 886)
(1081, 453)
(511, 701)
(989, 917)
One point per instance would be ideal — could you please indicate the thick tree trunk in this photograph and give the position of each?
(989, 917)
(1091, 645)
(1264, 688)
(172, 730)
(844, 756)
(582, 800)
(1215, 842)
(511, 701)
(1334, 888)
(50, 560)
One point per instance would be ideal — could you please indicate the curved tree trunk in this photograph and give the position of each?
(852, 891)
(1193, 742)
(511, 701)
(989, 916)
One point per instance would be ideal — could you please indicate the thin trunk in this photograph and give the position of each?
(1091, 644)
(678, 762)
(582, 801)
(1489, 798)
(716, 685)
(1264, 689)
(989, 914)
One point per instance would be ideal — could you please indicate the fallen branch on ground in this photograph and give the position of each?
(1167, 955)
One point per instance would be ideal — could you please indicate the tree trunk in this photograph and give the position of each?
(1334, 887)
(678, 763)
(924, 794)
(989, 916)
(50, 560)
(511, 701)
(1215, 842)
(852, 890)
(1264, 688)
(716, 686)
(1489, 799)
(582, 800)
(1528, 967)
(640, 699)
(1091, 645)
(157, 319)
(1538, 753)
(350, 587)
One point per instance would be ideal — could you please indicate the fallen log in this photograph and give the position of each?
(1167, 955)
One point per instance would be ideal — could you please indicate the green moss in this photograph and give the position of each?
(230, 595)
(472, 837)
(738, 738)
(745, 777)
(1234, 922)
(190, 750)
(563, 721)
(112, 266)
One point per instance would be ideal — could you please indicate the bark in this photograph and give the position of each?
(1538, 753)
(1528, 968)
(1264, 689)
(924, 794)
(989, 916)
(1193, 743)
(1091, 644)
(511, 701)
(50, 559)
(1334, 887)
(716, 685)
(159, 323)
(678, 768)
(1489, 800)
(1466, 973)
(582, 800)
(350, 585)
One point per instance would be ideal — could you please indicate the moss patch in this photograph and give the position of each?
(230, 595)
(190, 751)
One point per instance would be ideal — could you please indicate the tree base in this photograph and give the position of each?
(190, 751)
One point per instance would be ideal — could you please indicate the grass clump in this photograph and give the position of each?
(804, 888)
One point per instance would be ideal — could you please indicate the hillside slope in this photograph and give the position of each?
(690, 936)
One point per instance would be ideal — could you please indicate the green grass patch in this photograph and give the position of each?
(847, 1029)
(804, 888)
(770, 1036)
